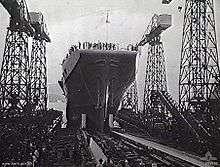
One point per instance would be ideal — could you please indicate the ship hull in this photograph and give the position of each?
(94, 82)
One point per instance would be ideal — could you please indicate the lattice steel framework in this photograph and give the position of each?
(199, 68)
(155, 80)
(38, 67)
(14, 77)
(130, 100)
(38, 75)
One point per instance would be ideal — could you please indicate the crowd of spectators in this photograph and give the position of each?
(23, 142)
(70, 147)
(109, 163)
(114, 150)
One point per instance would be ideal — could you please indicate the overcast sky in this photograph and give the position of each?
(70, 21)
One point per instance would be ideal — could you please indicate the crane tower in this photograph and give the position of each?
(155, 80)
(23, 78)
(38, 68)
(199, 68)
(14, 77)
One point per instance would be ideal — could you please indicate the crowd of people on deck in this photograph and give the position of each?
(99, 46)
(94, 46)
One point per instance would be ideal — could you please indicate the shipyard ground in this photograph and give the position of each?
(77, 149)
(68, 147)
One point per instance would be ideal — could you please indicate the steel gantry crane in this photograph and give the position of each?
(14, 77)
(199, 82)
(199, 77)
(155, 73)
(23, 78)
(154, 109)
(38, 67)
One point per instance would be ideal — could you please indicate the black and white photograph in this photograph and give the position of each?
(109, 83)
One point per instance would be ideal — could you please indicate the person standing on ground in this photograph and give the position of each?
(100, 163)
(126, 163)
(108, 163)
